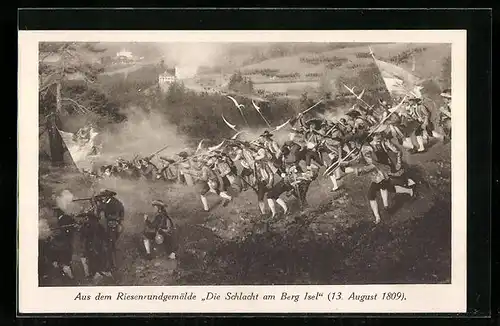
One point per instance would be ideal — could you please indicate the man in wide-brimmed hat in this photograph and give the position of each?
(114, 213)
(158, 229)
(421, 127)
(183, 169)
(312, 142)
(268, 150)
(445, 114)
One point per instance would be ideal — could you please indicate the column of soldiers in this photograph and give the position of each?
(363, 141)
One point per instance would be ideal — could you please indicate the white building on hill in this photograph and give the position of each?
(125, 54)
(165, 79)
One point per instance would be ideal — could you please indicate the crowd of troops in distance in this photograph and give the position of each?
(365, 140)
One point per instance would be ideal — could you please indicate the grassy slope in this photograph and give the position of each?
(427, 62)
(333, 241)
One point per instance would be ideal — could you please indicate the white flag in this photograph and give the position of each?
(398, 81)
(81, 146)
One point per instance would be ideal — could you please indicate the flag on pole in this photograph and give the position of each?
(81, 146)
(398, 81)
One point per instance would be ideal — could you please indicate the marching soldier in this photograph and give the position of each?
(245, 157)
(148, 170)
(380, 166)
(293, 181)
(268, 151)
(183, 169)
(445, 114)
(264, 179)
(421, 115)
(208, 181)
(312, 143)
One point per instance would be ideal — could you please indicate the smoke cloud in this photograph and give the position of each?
(193, 55)
(65, 202)
(142, 134)
(44, 231)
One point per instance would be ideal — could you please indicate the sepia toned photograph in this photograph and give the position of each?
(242, 163)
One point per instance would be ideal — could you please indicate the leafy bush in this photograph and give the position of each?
(199, 115)
(239, 83)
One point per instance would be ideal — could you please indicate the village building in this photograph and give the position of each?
(124, 56)
(165, 79)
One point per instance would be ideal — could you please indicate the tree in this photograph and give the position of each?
(446, 73)
(239, 83)
(60, 63)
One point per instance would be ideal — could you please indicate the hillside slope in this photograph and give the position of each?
(332, 241)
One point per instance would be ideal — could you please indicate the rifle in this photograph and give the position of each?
(329, 170)
(157, 152)
(88, 198)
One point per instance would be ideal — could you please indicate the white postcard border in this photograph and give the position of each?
(438, 298)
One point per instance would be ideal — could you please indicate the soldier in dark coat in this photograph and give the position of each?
(111, 208)
(61, 244)
(94, 238)
(114, 212)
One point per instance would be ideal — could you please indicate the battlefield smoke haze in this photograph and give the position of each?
(65, 202)
(193, 55)
(44, 230)
(142, 134)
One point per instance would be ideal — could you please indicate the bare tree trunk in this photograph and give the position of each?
(56, 146)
